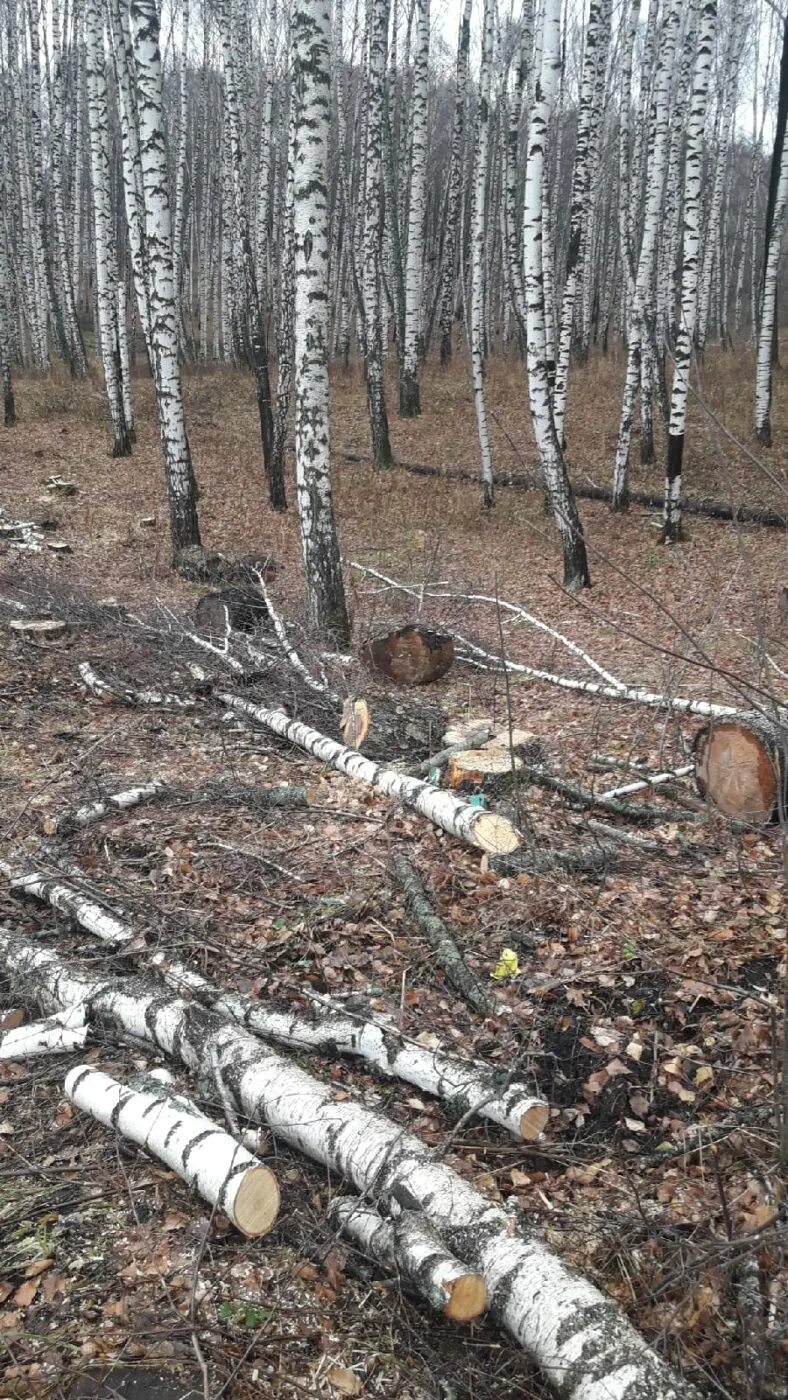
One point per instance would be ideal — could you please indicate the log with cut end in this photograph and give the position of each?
(464, 1085)
(741, 765)
(410, 1245)
(491, 833)
(582, 1340)
(64, 1031)
(188, 1142)
(410, 656)
(232, 610)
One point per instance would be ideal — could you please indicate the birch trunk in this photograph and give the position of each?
(103, 226)
(579, 1338)
(206, 1157)
(377, 31)
(470, 824)
(454, 203)
(557, 484)
(685, 336)
(320, 549)
(178, 471)
(464, 1086)
(478, 248)
(59, 1034)
(775, 222)
(413, 349)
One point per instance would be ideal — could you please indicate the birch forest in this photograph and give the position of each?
(394, 699)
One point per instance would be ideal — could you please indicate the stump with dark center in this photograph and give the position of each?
(410, 656)
(741, 763)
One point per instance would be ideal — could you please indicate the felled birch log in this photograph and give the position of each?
(580, 1339)
(447, 954)
(255, 798)
(411, 1246)
(64, 1031)
(109, 693)
(203, 1154)
(491, 833)
(85, 912)
(465, 1086)
(115, 802)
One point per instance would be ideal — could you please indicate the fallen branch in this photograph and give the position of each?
(447, 954)
(255, 798)
(329, 1031)
(192, 1145)
(289, 650)
(440, 759)
(461, 819)
(580, 1339)
(583, 799)
(59, 1033)
(410, 1245)
(85, 912)
(112, 693)
(115, 802)
(652, 780)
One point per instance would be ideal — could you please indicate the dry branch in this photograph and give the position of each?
(410, 1245)
(491, 833)
(466, 1087)
(113, 693)
(580, 1339)
(448, 955)
(202, 1154)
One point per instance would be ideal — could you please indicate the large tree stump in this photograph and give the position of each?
(740, 767)
(488, 770)
(410, 656)
(231, 610)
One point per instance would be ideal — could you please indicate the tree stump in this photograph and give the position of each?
(740, 767)
(487, 770)
(39, 628)
(231, 610)
(410, 656)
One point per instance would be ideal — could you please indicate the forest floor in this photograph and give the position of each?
(647, 999)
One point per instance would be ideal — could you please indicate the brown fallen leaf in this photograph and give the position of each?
(345, 1381)
(38, 1266)
(6, 1289)
(9, 1321)
(53, 1285)
(13, 1018)
(26, 1292)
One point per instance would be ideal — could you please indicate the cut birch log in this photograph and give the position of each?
(115, 802)
(64, 1031)
(256, 799)
(447, 954)
(465, 1086)
(410, 1245)
(84, 911)
(410, 656)
(581, 1340)
(206, 1157)
(741, 767)
(489, 832)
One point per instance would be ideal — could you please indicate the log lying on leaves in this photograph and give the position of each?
(110, 693)
(471, 824)
(585, 801)
(203, 1154)
(447, 954)
(410, 1245)
(64, 1031)
(115, 802)
(741, 767)
(580, 1339)
(410, 656)
(466, 1087)
(68, 900)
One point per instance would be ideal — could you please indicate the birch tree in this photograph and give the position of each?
(413, 349)
(311, 47)
(775, 221)
(179, 475)
(377, 31)
(448, 272)
(478, 248)
(557, 485)
(693, 175)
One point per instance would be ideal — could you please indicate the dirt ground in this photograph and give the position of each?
(648, 997)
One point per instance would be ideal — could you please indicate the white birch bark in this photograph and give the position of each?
(133, 195)
(478, 248)
(711, 245)
(470, 824)
(413, 349)
(656, 171)
(466, 1087)
(691, 217)
(206, 1157)
(578, 1337)
(103, 225)
(411, 1246)
(57, 1035)
(70, 901)
(323, 572)
(377, 32)
(77, 357)
(535, 234)
(763, 367)
(178, 471)
(455, 179)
